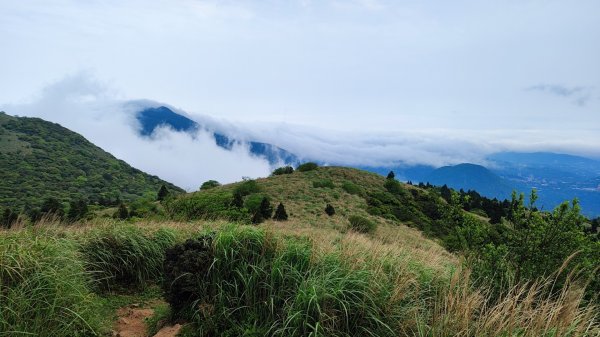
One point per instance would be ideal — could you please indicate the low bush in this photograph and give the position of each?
(361, 224)
(247, 187)
(323, 183)
(207, 185)
(208, 205)
(307, 167)
(329, 210)
(283, 170)
(352, 188)
(252, 202)
(125, 256)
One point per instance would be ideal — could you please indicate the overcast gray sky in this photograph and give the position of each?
(524, 74)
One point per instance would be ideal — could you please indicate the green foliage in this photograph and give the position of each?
(329, 210)
(352, 188)
(49, 161)
(238, 200)
(163, 192)
(145, 208)
(257, 218)
(253, 202)
(280, 213)
(283, 170)
(266, 210)
(281, 290)
(8, 217)
(361, 224)
(44, 288)
(125, 256)
(247, 187)
(121, 213)
(532, 244)
(391, 175)
(52, 206)
(323, 183)
(77, 210)
(209, 205)
(307, 167)
(417, 207)
(260, 207)
(207, 185)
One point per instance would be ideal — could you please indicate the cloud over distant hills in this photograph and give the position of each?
(98, 112)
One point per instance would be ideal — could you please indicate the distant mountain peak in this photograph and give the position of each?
(153, 117)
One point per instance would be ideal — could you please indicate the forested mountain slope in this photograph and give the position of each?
(41, 160)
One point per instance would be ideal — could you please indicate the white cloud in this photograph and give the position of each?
(374, 81)
(88, 107)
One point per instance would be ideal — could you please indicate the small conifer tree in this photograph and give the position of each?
(77, 210)
(265, 209)
(391, 175)
(329, 210)
(122, 212)
(280, 213)
(163, 192)
(238, 200)
(257, 218)
(8, 218)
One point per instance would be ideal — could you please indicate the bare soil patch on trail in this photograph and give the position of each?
(131, 322)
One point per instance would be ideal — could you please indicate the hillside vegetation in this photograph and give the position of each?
(40, 160)
(356, 254)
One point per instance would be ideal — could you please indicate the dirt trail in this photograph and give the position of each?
(132, 322)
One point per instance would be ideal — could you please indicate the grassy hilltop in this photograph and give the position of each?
(391, 260)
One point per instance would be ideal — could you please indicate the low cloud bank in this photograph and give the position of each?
(91, 109)
(94, 110)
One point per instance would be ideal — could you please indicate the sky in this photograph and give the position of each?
(357, 81)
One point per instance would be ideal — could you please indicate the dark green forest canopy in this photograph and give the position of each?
(41, 160)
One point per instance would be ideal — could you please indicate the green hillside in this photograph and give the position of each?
(40, 160)
(329, 251)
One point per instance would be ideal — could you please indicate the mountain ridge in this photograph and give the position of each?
(42, 160)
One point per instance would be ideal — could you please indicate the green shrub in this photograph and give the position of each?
(125, 256)
(44, 288)
(352, 188)
(329, 210)
(247, 187)
(323, 183)
(307, 167)
(252, 202)
(361, 224)
(208, 205)
(280, 213)
(282, 291)
(283, 170)
(207, 185)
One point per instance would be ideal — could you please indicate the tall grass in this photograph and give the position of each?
(529, 310)
(257, 284)
(248, 281)
(44, 289)
(254, 283)
(126, 255)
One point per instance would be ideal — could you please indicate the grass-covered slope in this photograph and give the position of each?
(40, 160)
(305, 195)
